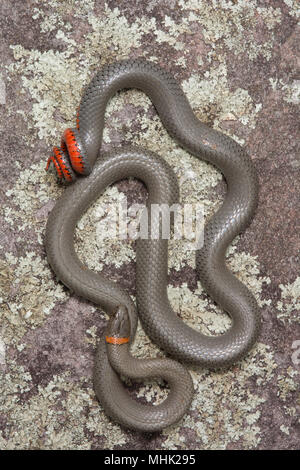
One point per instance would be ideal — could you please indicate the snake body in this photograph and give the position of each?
(78, 154)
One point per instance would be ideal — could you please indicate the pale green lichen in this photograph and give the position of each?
(284, 429)
(198, 312)
(289, 305)
(286, 383)
(246, 268)
(112, 28)
(35, 294)
(229, 411)
(98, 242)
(230, 20)
(294, 9)
(51, 22)
(52, 418)
(290, 91)
(212, 94)
(29, 196)
(54, 82)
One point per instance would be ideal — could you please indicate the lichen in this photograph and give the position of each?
(228, 411)
(289, 305)
(235, 23)
(29, 294)
(294, 9)
(212, 94)
(290, 90)
(52, 418)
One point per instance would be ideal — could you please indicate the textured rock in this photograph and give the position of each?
(237, 62)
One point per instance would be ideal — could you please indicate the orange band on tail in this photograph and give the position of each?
(115, 340)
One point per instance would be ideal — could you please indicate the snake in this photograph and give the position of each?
(80, 162)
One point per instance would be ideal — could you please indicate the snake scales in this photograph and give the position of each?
(77, 155)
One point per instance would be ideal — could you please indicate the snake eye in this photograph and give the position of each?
(78, 157)
(62, 164)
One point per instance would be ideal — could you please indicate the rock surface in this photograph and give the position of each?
(237, 62)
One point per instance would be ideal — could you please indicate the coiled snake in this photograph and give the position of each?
(77, 156)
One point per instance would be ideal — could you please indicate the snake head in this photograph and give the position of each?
(118, 327)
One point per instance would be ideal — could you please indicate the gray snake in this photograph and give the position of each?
(77, 155)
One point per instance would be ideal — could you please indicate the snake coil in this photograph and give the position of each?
(77, 157)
